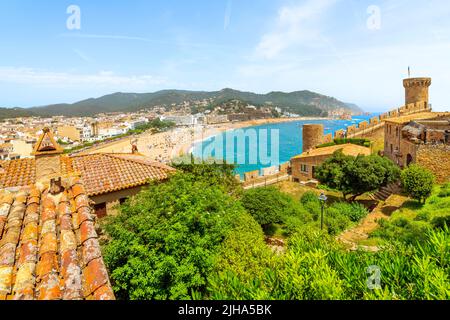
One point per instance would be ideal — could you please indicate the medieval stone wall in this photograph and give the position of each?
(437, 159)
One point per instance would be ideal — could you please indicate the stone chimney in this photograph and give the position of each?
(134, 149)
(47, 153)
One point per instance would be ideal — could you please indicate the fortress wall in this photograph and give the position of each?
(316, 137)
(374, 120)
(252, 175)
(351, 130)
(363, 125)
(437, 159)
(313, 135)
(339, 134)
(284, 167)
(327, 138)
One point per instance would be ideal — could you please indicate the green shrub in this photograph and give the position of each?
(164, 241)
(309, 197)
(417, 182)
(441, 221)
(354, 211)
(269, 205)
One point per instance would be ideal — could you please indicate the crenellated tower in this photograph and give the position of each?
(416, 90)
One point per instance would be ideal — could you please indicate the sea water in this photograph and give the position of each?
(290, 141)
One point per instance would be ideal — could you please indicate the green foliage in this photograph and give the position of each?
(309, 197)
(155, 125)
(268, 205)
(316, 267)
(354, 211)
(417, 182)
(445, 191)
(215, 174)
(165, 240)
(324, 145)
(356, 175)
(410, 223)
(340, 141)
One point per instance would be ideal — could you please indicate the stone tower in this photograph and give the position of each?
(312, 136)
(416, 89)
(47, 153)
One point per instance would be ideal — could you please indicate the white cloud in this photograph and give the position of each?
(103, 79)
(371, 77)
(295, 25)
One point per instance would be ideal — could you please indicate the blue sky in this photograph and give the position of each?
(357, 51)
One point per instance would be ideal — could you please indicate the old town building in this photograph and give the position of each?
(303, 166)
(421, 138)
(109, 178)
(49, 248)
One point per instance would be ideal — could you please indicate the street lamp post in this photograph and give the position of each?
(323, 199)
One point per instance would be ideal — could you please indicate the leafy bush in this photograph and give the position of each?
(356, 175)
(316, 267)
(269, 205)
(340, 141)
(164, 241)
(354, 211)
(445, 191)
(417, 182)
(309, 197)
(440, 222)
(403, 229)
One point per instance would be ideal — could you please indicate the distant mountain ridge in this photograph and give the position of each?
(304, 103)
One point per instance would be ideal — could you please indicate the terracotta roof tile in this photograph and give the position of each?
(48, 248)
(104, 173)
(100, 173)
(347, 149)
(18, 173)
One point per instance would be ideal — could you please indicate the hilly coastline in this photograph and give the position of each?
(304, 103)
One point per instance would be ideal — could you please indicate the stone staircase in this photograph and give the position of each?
(386, 192)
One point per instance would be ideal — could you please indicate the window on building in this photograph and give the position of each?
(392, 149)
(100, 210)
(396, 132)
(304, 168)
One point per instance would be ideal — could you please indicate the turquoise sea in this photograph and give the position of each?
(290, 141)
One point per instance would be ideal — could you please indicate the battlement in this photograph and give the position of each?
(416, 89)
(417, 82)
(313, 135)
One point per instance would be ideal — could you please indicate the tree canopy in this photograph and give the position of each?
(164, 241)
(269, 205)
(418, 182)
(356, 175)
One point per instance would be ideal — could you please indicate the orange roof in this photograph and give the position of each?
(17, 173)
(49, 248)
(101, 173)
(104, 173)
(347, 149)
(47, 144)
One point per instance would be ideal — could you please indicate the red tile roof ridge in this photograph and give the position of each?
(144, 160)
(50, 248)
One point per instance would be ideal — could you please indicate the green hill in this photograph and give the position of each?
(300, 102)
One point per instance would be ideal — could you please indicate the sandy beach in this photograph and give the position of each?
(165, 146)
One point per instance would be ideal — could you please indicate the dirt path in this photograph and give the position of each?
(369, 224)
